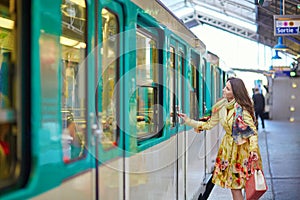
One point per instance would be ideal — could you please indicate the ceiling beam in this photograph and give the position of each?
(243, 12)
(194, 18)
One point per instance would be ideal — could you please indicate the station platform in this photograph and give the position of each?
(280, 150)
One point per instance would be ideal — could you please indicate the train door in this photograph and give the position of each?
(213, 135)
(206, 105)
(63, 49)
(143, 142)
(108, 169)
(181, 136)
(195, 151)
(177, 55)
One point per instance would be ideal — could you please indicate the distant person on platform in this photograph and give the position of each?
(259, 107)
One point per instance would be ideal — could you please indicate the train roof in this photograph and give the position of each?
(213, 58)
(163, 15)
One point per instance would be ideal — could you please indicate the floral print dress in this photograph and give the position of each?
(232, 158)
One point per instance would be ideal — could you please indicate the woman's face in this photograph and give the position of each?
(227, 92)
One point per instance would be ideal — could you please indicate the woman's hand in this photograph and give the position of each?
(182, 116)
(185, 118)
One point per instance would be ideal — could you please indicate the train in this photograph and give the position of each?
(89, 96)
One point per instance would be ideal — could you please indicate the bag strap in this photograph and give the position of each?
(252, 165)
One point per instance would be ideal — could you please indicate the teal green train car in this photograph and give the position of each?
(89, 95)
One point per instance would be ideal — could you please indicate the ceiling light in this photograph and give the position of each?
(280, 46)
(72, 43)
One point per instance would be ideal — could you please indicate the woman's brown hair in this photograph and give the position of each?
(241, 95)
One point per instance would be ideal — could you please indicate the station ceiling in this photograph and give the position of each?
(255, 22)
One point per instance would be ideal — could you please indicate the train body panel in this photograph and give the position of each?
(89, 108)
(153, 171)
(195, 164)
(78, 187)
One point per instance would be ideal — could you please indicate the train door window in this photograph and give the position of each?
(9, 128)
(73, 87)
(176, 81)
(172, 86)
(108, 78)
(213, 82)
(180, 78)
(204, 89)
(194, 108)
(217, 83)
(147, 87)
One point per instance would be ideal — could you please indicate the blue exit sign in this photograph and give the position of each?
(287, 30)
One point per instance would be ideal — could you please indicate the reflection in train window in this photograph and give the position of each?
(145, 112)
(194, 108)
(147, 79)
(108, 77)
(180, 85)
(204, 89)
(147, 58)
(217, 76)
(171, 86)
(9, 129)
(73, 50)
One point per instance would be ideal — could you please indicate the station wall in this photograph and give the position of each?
(285, 99)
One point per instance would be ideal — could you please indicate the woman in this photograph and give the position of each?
(235, 113)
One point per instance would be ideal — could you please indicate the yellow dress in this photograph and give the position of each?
(232, 159)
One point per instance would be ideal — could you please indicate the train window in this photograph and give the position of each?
(146, 119)
(172, 86)
(194, 108)
(147, 58)
(108, 78)
(180, 90)
(218, 83)
(9, 129)
(73, 87)
(204, 89)
(176, 83)
(147, 79)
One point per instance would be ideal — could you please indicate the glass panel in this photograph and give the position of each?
(217, 84)
(181, 81)
(73, 54)
(147, 75)
(194, 109)
(8, 89)
(147, 58)
(145, 115)
(180, 90)
(193, 74)
(204, 108)
(108, 78)
(172, 86)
